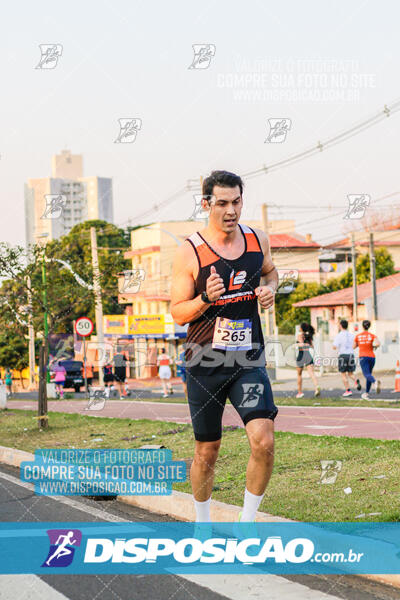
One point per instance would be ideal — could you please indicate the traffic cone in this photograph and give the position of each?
(397, 378)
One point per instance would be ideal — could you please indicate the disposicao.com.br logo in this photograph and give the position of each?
(210, 551)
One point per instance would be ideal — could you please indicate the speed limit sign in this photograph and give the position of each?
(84, 326)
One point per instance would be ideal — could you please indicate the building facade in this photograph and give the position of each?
(54, 205)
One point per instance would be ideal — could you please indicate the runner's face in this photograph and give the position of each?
(226, 207)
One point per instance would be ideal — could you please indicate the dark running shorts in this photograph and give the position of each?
(346, 363)
(249, 391)
(120, 374)
(108, 378)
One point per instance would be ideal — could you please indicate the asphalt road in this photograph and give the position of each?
(19, 503)
(377, 423)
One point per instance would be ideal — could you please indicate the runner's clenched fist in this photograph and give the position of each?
(215, 285)
(266, 296)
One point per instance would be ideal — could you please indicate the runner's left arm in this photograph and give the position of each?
(269, 275)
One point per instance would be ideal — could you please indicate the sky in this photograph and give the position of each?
(323, 66)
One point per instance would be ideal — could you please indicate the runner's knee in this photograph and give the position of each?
(262, 445)
(206, 454)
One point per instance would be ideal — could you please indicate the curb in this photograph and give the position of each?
(180, 506)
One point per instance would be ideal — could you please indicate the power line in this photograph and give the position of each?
(330, 142)
(319, 147)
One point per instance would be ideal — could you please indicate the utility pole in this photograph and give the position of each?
(372, 264)
(43, 370)
(97, 299)
(31, 335)
(354, 269)
(46, 324)
(270, 321)
(264, 213)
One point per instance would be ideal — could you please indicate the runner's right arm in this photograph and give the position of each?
(185, 306)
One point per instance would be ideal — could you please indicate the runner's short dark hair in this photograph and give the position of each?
(344, 323)
(366, 324)
(222, 179)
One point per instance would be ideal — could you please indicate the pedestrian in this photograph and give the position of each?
(89, 374)
(221, 275)
(108, 378)
(8, 381)
(304, 358)
(181, 371)
(120, 363)
(164, 372)
(60, 375)
(366, 343)
(343, 343)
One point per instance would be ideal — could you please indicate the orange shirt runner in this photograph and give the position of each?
(89, 371)
(365, 343)
(163, 360)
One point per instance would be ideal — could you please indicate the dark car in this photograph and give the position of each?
(74, 377)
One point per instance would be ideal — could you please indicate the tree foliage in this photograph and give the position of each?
(287, 316)
(66, 298)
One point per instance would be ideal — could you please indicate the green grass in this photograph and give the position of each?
(279, 400)
(294, 490)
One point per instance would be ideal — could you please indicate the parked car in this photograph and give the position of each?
(74, 377)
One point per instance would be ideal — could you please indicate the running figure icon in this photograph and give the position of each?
(62, 549)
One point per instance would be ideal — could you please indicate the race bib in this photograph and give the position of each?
(232, 335)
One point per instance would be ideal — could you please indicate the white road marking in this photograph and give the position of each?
(96, 512)
(27, 587)
(326, 426)
(255, 587)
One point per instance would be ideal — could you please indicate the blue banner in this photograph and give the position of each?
(107, 472)
(154, 547)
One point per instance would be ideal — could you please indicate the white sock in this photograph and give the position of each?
(202, 510)
(250, 506)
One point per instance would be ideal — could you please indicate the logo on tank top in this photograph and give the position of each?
(236, 281)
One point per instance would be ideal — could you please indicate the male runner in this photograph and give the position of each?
(343, 342)
(216, 289)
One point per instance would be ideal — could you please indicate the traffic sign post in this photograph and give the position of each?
(84, 327)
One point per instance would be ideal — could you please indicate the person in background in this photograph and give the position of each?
(164, 371)
(366, 343)
(343, 343)
(89, 373)
(120, 372)
(60, 375)
(304, 358)
(8, 381)
(181, 371)
(108, 378)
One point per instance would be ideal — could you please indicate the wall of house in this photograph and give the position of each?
(388, 305)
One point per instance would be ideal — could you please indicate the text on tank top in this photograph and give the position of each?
(231, 325)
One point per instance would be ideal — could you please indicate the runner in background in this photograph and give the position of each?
(120, 372)
(108, 378)
(60, 375)
(366, 342)
(304, 358)
(89, 373)
(343, 343)
(164, 372)
(181, 371)
(8, 381)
